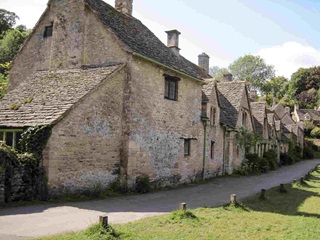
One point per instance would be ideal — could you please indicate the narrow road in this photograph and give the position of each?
(48, 219)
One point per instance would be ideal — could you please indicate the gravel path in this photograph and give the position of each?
(48, 219)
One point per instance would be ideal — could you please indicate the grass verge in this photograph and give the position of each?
(291, 215)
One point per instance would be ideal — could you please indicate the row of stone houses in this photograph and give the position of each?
(121, 102)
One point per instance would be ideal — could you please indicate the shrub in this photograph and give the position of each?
(315, 132)
(308, 152)
(143, 184)
(308, 127)
(271, 156)
(98, 231)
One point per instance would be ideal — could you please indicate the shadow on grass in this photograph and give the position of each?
(286, 203)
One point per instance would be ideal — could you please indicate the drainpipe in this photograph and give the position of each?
(205, 124)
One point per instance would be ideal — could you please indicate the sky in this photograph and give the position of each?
(285, 33)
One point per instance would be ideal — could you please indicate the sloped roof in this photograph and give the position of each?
(314, 114)
(258, 110)
(139, 39)
(230, 95)
(46, 95)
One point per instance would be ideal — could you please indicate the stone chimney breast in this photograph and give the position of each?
(173, 41)
(204, 62)
(124, 6)
(227, 77)
(253, 95)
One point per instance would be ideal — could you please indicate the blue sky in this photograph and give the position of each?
(285, 33)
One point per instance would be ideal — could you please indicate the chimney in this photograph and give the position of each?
(253, 95)
(124, 6)
(296, 107)
(204, 62)
(287, 110)
(173, 41)
(227, 77)
(274, 101)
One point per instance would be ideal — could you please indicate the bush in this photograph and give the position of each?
(143, 184)
(271, 156)
(308, 127)
(315, 132)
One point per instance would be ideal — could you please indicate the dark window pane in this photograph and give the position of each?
(187, 147)
(1, 136)
(172, 94)
(166, 90)
(18, 137)
(9, 138)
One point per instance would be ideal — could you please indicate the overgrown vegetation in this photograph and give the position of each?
(291, 215)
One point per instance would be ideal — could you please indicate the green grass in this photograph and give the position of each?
(291, 215)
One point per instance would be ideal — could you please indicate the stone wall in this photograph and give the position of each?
(159, 126)
(87, 144)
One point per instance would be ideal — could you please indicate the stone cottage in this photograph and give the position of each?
(235, 113)
(119, 100)
(306, 115)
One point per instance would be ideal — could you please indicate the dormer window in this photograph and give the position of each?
(171, 87)
(48, 31)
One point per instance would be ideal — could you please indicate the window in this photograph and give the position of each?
(212, 150)
(244, 119)
(187, 143)
(11, 137)
(48, 31)
(171, 88)
(212, 116)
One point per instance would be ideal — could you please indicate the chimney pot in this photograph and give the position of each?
(124, 6)
(173, 41)
(204, 62)
(227, 77)
(287, 109)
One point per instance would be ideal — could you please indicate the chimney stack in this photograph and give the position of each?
(124, 6)
(173, 41)
(253, 95)
(227, 77)
(296, 107)
(287, 109)
(204, 62)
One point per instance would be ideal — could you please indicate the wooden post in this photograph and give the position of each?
(103, 220)
(282, 189)
(295, 181)
(233, 199)
(263, 194)
(183, 206)
(301, 180)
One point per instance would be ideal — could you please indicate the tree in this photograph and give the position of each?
(252, 69)
(7, 21)
(276, 87)
(304, 86)
(217, 72)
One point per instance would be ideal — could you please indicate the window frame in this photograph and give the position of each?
(48, 31)
(213, 112)
(168, 81)
(187, 147)
(14, 132)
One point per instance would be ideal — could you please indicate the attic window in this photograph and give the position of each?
(48, 31)
(171, 87)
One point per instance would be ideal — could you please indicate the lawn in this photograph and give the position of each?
(291, 215)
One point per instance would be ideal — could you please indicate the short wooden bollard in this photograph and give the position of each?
(301, 180)
(183, 206)
(103, 220)
(295, 180)
(233, 199)
(282, 189)
(263, 194)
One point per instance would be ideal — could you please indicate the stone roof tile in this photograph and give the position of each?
(46, 95)
(139, 39)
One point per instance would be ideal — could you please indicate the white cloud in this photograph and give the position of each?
(290, 56)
